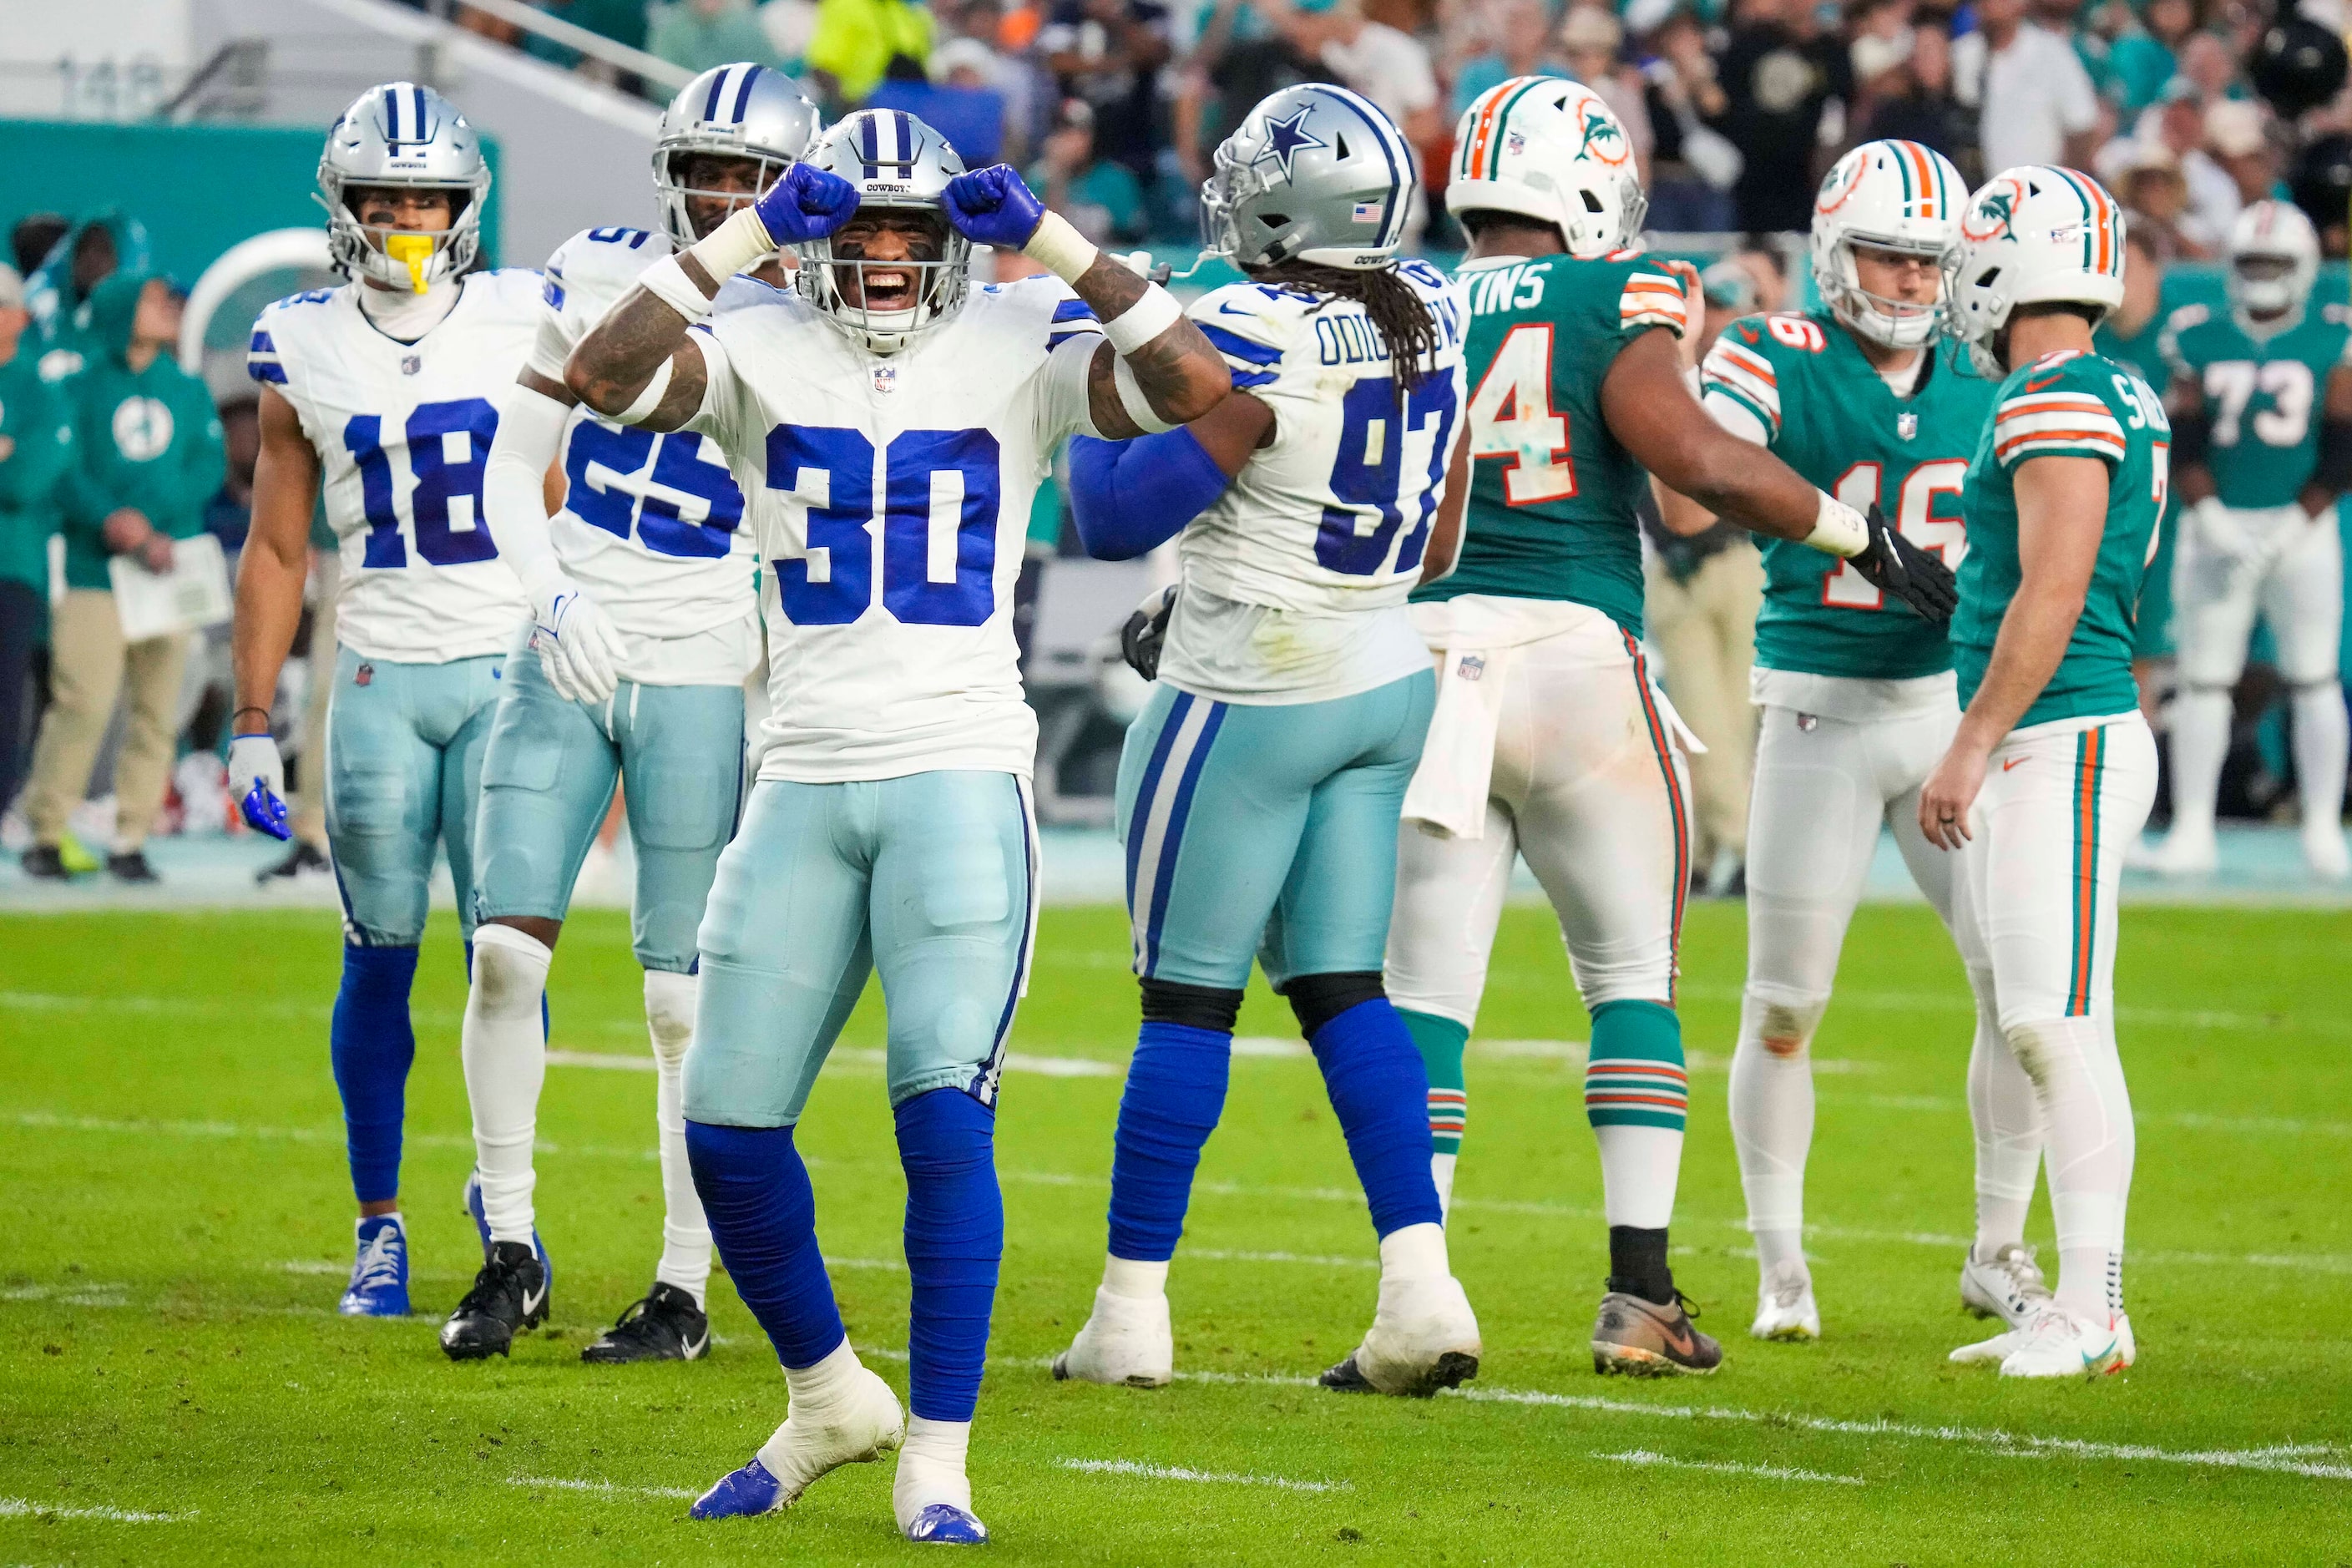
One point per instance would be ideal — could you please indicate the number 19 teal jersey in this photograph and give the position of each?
(2263, 396)
(1828, 413)
(1551, 491)
(2070, 405)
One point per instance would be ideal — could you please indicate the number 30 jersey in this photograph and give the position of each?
(1800, 385)
(2263, 396)
(402, 433)
(890, 498)
(651, 523)
(1551, 492)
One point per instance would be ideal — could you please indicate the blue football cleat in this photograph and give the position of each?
(740, 1494)
(379, 1287)
(482, 1224)
(944, 1524)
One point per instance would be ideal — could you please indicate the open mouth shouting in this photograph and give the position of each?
(879, 256)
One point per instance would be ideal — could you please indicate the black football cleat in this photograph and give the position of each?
(508, 1295)
(46, 863)
(665, 1326)
(131, 867)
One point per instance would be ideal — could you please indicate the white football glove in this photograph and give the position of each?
(581, 651)
(256, 782)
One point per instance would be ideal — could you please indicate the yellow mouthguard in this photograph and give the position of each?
(412, 251)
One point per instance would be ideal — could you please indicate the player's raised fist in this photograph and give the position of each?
(992, 207)
(806, 203)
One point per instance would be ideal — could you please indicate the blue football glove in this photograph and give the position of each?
(256, 779)
(991, 206)
(806, 203)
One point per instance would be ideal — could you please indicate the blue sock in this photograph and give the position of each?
(755, 1193)
(372, 1044)
(1175, 1092)
(1380, 1091)
(955, 1240)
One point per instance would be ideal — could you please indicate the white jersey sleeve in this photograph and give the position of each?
(403, 432)
(651, 524)
(1333, 515)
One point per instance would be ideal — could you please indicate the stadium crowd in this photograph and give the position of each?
(2187, 110)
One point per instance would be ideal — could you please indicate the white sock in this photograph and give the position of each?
(930, 1468)
(504, 1050)
(686, 1235)
(2087, 1112)
(1771, 1098)
(2320, 734)
(2006, 1116)
(1413, 1253)
(1441, 1171)
(1639, 1168)
(1134, 1279)
(2201, 742)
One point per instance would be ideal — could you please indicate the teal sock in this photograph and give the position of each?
(1441, 1041)
(1637, 1096)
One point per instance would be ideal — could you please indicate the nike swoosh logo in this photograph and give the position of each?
(534, 1304)
(2046, 381)
(1226, 308)
(2010, 763)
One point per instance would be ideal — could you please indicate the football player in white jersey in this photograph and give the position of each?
(890, 424)
(645, 625)
(384, 395)
(1258, 793)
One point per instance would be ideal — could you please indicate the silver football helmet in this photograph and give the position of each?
(1315, 173)
(729, 111)
(898, 164)
(404, 135)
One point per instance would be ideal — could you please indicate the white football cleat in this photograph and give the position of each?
(2323, 852)
(2187, 852)
(2008, 1287)
(1784, 1305)
(1996, 1348)
(2059, 1344)
(1126, 1342)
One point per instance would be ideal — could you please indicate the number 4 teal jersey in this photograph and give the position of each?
(2071, 404)
(2263, 396)
(1829, 414)
(1552, 493)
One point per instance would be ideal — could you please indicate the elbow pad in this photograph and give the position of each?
(2335, 471)
(2192, 437)
(1127, 497)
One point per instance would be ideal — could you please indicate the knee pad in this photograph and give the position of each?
(510, 970)
(1317, 999)
(1193, 1006)
(1782, 1021)
(669, 1012)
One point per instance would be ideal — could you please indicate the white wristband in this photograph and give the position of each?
(650, 398)
(666, 281)
(1060, 248)
(1838, 529)
(1131, 398)
(734, 245)
(1143, 321)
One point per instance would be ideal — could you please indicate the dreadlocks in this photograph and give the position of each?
(1397, 314)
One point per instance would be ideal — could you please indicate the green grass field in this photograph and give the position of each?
(175, 1226)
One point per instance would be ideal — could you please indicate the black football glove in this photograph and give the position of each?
(1895, 566)
(1140, 640)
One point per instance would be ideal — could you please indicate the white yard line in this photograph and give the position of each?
(607, 1489)
(1768, 1472)
(1319, 1260)
(1178, 1473)
(18, 1508)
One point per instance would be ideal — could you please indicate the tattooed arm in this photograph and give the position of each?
(1180, 373)
(622, 354)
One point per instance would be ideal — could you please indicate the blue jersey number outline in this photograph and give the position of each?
(840, 525)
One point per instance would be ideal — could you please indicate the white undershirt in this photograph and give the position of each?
(1903, 383)
(404, 315)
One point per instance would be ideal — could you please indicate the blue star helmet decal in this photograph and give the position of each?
(1286, 138)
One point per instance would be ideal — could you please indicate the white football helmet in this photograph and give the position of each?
(2032, 235)
(896, 161)
(1545, 148)
(2274, 261)
(1890, 196)
(740, 111)
(406, 136)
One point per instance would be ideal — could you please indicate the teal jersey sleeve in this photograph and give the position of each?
(2264, 397)
(2067, 406)
(1552, 492)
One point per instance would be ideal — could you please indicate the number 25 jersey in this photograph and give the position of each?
(890, 498)
(402, 433)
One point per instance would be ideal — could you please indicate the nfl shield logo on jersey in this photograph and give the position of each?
(1474, 666)
(411, 364)
(1906, 425)
(885, 378)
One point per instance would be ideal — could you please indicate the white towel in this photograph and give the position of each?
(1449, 788)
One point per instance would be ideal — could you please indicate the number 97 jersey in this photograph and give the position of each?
(1335, 512)
(402, 433)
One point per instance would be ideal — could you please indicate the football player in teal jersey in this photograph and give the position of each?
(2133, 335)
(2052, 769)
(1548, 737)
(1857, 693)
(2263, 401)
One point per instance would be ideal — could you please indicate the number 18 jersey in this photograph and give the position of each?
(1552, 493)
(402, 433)
(1800, 385)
